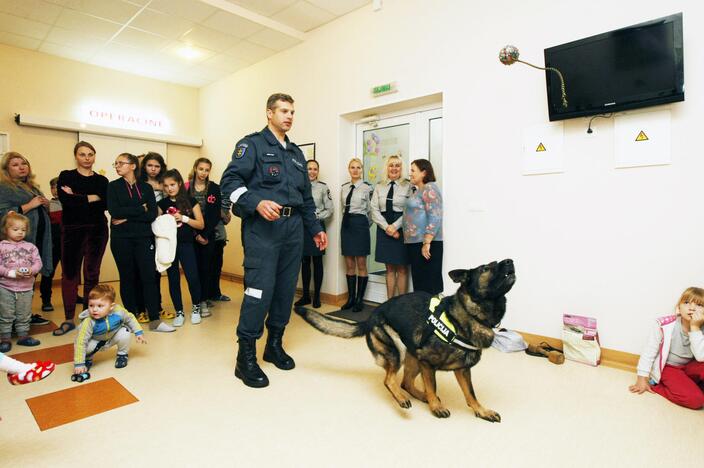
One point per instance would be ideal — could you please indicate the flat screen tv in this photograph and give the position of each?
(637, 66)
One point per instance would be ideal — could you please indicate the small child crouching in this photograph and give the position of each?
(105, 324)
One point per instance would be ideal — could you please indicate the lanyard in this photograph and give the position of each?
(136, 187)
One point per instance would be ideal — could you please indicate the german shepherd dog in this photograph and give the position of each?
(397, 334)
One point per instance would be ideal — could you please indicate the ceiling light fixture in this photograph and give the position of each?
(188, 52)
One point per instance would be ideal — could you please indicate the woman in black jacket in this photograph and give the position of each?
(208, 195)
(132, 205)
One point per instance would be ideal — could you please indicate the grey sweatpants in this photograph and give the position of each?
(15, 308)
(121, 339)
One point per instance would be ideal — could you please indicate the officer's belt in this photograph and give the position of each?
(287, 211)
(440, 323)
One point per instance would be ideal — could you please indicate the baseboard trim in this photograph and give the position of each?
(609, 357)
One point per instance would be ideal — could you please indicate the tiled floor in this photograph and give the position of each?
(333, 410)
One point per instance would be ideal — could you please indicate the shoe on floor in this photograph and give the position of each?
(142, 317)
(205, 310)
(28, 341)
(38, 320)
(160, 327)
(5, 346)
(121, 361)
(180, 318)
(196, 314)
(38, 372)
(166, 315)
(210, 304)
(223, 298)
(47, 307)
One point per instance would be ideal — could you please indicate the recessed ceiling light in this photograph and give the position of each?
(189, 52)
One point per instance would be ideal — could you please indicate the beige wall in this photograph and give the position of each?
(51, 87)
(618, 245)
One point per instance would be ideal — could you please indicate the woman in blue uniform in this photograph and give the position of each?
(388, 201)
(354, 235)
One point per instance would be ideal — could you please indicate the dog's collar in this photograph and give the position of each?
(442, 325)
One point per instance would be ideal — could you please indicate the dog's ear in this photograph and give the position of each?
(459, 276)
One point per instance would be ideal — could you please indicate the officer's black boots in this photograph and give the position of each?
(361, 289)
(247, 368)
(316, 299)
(304, 300)
(274, 350)
(351, 290)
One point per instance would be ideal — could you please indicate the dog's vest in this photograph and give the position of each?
(439, 322)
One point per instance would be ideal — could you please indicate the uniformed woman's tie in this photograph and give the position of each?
(348, 201)
(390, 198)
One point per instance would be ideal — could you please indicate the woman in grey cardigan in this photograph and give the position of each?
(20, 193)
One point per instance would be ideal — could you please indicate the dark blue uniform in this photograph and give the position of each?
(262, 169)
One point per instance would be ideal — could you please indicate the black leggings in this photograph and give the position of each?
(426, 274)
(317, 273)
(134, 257)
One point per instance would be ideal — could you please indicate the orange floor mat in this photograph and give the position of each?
(56, 354)
(79, 402)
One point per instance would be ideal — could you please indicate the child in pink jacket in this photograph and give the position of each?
(19, 263)
(672, 363)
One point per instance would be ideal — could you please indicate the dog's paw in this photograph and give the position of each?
(488, 415)
(405, 404)
(441, 412)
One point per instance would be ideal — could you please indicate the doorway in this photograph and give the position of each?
(411, 136)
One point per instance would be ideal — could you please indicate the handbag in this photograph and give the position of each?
(580, 339)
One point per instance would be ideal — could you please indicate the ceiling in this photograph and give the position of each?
(190, 42)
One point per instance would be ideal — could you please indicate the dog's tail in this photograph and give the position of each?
(331, 326)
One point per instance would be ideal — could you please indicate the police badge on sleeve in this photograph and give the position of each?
(241, 150)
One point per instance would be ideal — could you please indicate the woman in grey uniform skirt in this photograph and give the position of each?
(323, 210)
(388, 201)
(354, 235)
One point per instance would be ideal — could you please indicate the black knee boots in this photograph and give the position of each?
(361, 288)
(247, 368)
(351, 290)
(274, 350)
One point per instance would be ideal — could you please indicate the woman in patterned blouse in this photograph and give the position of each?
(422, 228)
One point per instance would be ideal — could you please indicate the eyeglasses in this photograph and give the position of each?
(117, 164)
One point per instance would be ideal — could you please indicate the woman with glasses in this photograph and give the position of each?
(132, 205)
(84, 229)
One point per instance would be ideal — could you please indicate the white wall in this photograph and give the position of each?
(620, 245)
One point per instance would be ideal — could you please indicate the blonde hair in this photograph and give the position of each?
(102, 291)
(8, 218)
(353, 160)
(28, 184)
(393, 157)
(693, 296)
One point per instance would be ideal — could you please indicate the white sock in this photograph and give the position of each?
(13, 366)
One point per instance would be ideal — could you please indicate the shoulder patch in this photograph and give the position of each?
(329, 196)
(241, 150)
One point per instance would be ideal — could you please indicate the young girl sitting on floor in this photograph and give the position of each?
(186, 211)
(19, 263)
(673, 361)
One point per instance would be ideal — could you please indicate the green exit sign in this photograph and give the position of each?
(386, 88)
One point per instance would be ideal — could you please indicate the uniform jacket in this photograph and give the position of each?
(102, 330)
(402, 190)
(262, 169)
(324, 207)
(360, 203)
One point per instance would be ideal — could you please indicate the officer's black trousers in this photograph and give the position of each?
(272, 257)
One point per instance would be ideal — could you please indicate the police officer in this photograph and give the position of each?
(354, 234)
(324, 209)
(388, 202)
(266, 182)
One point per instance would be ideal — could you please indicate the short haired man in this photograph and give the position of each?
(268, 186)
